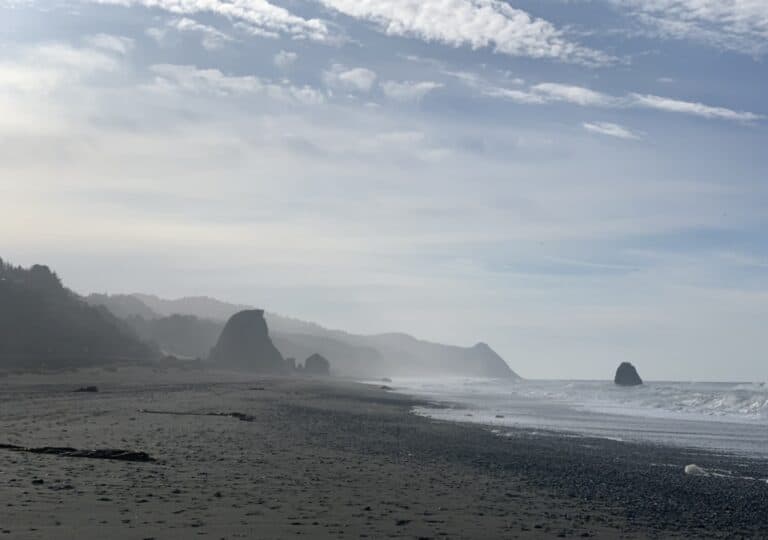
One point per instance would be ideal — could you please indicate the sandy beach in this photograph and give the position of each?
(239, 456)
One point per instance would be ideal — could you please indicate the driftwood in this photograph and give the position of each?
(103, 453)
(240, 416)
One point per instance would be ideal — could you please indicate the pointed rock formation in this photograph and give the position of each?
(317, 365)
(626, 375)
(244, 344)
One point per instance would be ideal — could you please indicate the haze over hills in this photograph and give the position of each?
(198, 306)
(44, 325)
(392, 354)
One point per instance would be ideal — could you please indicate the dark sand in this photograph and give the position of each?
(323, 459)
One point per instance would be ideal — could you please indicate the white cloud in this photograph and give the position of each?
(740, 25)
(611, 130)
(158, 34)
(45, 67)
(510, 94)
(408, 90)
(256, 30)
(285, 59)
(355, 79)
(473, 23)
(193, 79)
(212, 37)
(573, 94)
(545, 93)
(305, 94)
(117, 44)
(692, 108)
(259, 16)
(212, 81)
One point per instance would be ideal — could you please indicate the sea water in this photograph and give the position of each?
(726, 417)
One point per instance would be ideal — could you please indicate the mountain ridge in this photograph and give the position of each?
(384, 354)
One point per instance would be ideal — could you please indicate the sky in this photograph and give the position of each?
(575, 182)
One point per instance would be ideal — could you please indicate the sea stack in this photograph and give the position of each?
(244, 344)
(317, 365)
(627, 375)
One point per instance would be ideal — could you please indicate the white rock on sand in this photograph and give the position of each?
(695, 470)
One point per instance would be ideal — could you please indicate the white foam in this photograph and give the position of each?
(727, 417)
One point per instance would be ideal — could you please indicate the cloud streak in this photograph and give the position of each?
(191, 79)
(740, 25)
(110, 43)
(474, 23)
(408, 90)
(349, 79)
(545, 93)
(610, 130)
(692, 108)
(212, 38)
(257, 16)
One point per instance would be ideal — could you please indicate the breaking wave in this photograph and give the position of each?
(733, 401)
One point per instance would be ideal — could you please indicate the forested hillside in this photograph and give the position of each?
(45, 325)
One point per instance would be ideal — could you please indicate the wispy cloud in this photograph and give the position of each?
(545, 93)
(474, 23)
(285, 59)
(611, 130)
(108, 42)
(212, 38)
(693, 108)
(511, 94)
(258, 16)
(740, 25)
(408, 90)
(45, 67)
(349, 79)
(213, 81)
(574, 94)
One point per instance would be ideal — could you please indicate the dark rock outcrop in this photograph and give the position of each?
(317, 365)
(626, 375)
(245, 344)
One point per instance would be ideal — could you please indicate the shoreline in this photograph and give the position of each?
(336, 459)
(509, 430)
(648, 416)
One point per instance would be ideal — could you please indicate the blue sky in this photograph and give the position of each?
(575, 182)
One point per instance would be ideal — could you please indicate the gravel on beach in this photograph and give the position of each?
(321, 458)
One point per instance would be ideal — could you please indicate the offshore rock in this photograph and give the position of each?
(244, 344)
(317, 365)
(626, 375)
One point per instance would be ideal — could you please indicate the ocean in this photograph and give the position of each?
(720, 417)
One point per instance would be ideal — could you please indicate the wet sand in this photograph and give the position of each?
(281, 458)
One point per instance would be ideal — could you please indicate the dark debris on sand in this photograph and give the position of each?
(238, 415)
(104, 453)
